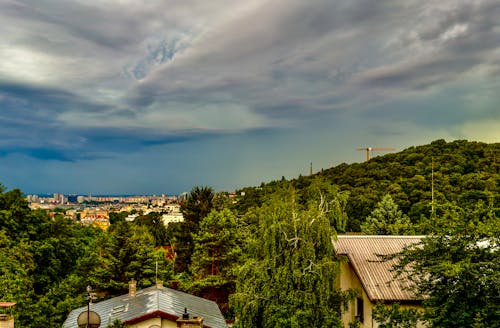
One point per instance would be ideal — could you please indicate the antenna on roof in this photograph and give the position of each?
(185, 315)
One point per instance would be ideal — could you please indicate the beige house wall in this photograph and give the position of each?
(155, 323)
(349, 279)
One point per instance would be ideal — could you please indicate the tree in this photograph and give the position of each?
(16, 269)
(289, 278)
(197, 206)
(457, 269)
(387, 219)
(126, 251)
(115, 217)
(330, 200)
(393, 316)
(216, 254)
(153, 222)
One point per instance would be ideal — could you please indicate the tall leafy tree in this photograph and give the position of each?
(289, 278)
(387, 219)
(16, 269)
(330, 200)
(457, 269)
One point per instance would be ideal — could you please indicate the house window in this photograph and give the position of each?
(359, 309)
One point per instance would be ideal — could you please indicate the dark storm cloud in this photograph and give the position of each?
(44, 101)
(30, 126)
(85, 81)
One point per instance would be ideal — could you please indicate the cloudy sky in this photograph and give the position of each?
(151, 97)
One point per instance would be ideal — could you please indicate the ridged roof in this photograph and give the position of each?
(152, 302)
(374, 273)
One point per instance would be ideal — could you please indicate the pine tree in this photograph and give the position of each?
(197, 206)
(387, 219)
(216, 253)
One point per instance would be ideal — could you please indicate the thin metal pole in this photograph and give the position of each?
(432, 189)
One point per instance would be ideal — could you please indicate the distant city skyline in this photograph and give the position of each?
(128, 97)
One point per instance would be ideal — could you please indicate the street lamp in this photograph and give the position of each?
(89, 319)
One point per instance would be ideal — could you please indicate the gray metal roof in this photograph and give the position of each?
(374, 273)
(152, 301)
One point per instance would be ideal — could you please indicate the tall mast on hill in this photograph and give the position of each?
(369, 150)
(432, 189)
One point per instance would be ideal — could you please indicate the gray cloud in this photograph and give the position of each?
(88, 80)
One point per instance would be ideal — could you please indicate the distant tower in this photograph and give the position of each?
(369, 150)
(311, 169)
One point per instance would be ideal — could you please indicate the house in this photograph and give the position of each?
(365, 271)
(154, 307)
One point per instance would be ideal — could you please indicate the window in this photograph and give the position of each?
(359, 309)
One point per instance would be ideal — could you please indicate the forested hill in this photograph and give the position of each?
(465, 172)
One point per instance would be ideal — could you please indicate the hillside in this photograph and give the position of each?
(465, 172)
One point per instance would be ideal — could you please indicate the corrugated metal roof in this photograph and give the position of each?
(374, 273)
(152, 300)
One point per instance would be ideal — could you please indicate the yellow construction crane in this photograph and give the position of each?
(369, 150)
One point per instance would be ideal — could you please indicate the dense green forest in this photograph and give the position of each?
(266, 256)
(464, 173)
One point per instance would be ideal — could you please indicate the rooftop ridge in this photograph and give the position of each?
(381, 236)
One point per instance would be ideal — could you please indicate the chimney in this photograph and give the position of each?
(159, 284)
(6, 319)
(187, 322)
(132, 288)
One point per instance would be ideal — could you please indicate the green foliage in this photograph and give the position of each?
(387, 219)
(329, 200)
(127, 251)
(288, 273)
(221, 201)
(464, 172)
(289, 278)
(116, 324)
(393, 316)
(198, 205)
(115, 217)
(216, 254)
(153, 222)
(457, 269)
(16, 269)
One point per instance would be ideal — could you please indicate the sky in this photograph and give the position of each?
(155, 97)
